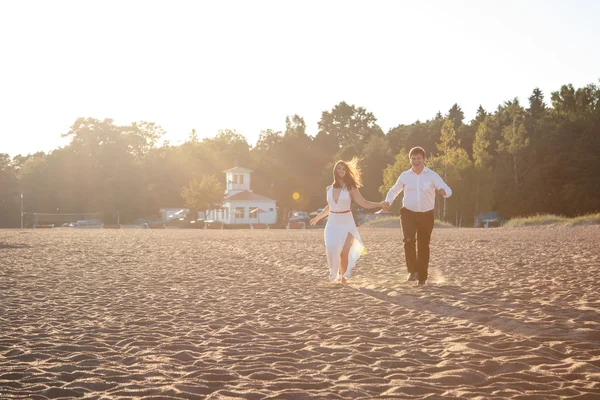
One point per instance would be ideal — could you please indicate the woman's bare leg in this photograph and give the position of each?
(344, 255)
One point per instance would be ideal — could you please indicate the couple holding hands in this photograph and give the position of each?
(342, 240)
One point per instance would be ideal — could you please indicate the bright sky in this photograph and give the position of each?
(245, 65)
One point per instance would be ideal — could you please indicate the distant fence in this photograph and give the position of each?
(211, 226)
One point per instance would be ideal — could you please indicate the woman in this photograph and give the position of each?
(342, 241)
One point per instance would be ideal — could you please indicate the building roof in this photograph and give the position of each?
(247, 195)
(238, 170)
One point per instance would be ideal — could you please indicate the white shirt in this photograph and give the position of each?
(419, 190)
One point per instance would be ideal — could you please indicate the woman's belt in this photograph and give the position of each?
(340, 212)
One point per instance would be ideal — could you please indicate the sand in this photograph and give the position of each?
(183, 314)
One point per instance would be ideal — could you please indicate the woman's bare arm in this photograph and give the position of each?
(321, 215)
(360, 200)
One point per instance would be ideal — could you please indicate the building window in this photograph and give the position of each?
(235, 179)
(226, 214)
(239, 213)
(253, 212)
(241, 179)
(270, 209)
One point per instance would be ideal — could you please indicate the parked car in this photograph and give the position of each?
(322, 221)
(88, 223)
(490, 219)
(298, 216)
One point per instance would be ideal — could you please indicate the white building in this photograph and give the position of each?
(241, 205)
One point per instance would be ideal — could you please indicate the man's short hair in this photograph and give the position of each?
(415, 151)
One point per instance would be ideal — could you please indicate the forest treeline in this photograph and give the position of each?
(523, 158)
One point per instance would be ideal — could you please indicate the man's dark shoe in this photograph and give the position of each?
(412, 277)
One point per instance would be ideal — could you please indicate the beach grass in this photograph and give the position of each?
(386, 222)
(551, 219)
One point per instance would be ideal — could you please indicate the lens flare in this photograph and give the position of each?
(296, 196)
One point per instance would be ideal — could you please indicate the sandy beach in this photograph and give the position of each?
(184, 314)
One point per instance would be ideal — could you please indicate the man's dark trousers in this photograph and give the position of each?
(417, 226)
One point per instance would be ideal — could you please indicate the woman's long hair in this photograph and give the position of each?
(352, 178)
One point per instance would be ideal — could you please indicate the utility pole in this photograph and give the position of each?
(21, 210)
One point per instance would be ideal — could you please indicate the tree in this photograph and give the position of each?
(376, 156)
(295, 126)
(456, 115)
(537, 107)
(269, 142)
(228, 148)
(416, 134)
(446, 147)
(143, 136)
(481, 114)
(193, 136)
(349, 124)
(398, 137)
(514, 137)
(284, 165)
(564, 101)
(453, 162)
(524, 161)
(392, 173)
(168, 169)
(432, 129)
(102, 168)
(9, 193)
(483, 167)
(205, 195)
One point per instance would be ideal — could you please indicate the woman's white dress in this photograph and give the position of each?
(337, 229)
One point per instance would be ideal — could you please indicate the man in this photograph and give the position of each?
(420, 185)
